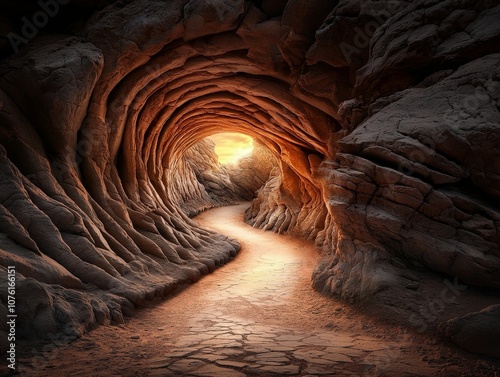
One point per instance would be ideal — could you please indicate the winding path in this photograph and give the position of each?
(256, 316)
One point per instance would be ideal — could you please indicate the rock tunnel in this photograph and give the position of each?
(382, 116)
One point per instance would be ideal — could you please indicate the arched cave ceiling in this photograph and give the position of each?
(383, 114)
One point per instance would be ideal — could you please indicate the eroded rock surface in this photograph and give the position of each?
(383, 116)
(476, 332)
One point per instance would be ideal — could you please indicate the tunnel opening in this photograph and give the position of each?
(224, 168)
(231, 147)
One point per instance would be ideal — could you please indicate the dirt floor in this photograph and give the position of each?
(259, 316)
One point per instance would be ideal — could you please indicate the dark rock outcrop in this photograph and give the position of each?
(476, 332)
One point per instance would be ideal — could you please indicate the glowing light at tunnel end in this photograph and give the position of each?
(230, 147)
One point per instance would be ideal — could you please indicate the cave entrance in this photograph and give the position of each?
(222, 168)
(231, 147)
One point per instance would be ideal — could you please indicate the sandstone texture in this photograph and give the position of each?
(383, 118)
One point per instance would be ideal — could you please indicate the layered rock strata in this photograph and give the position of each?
(383, 115)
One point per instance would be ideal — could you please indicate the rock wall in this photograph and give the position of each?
(199, 182)
(383, 114)
(417, 177)
(251, 173)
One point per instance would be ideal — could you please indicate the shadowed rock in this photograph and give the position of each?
(476, 332)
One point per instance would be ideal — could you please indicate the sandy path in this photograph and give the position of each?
(257, 315)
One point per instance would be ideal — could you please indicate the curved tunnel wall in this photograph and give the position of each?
(93, 128)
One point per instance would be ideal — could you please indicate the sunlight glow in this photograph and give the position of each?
(231, 147)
